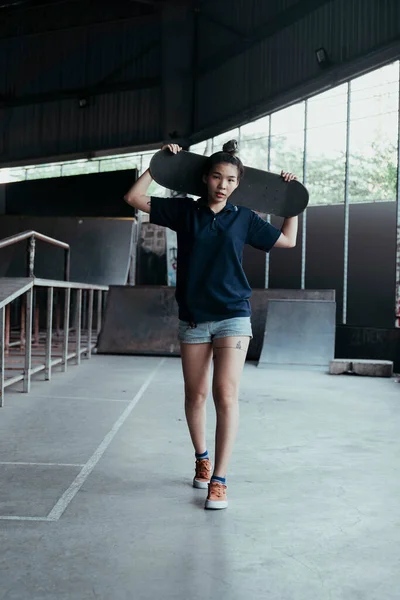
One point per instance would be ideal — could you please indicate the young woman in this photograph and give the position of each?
(213, 297)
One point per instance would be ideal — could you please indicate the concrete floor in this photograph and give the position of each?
(96, 501)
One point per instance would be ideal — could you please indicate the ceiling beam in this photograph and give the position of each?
(9, 101)
(29, 4)
(222, 25)
(162, 3)
(12, 4)
(151, 2)
(273, 26)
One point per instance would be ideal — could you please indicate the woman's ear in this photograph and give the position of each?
(205, 179)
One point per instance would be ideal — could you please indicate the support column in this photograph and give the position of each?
(268, 216)
(177, 73)
(99, 311)
(2, 357)
(397, 290)
(7, 329)
(28, 341)
(67, 305)
(346, 208)
(90, 323)
(49, 333)
(78, 326)
(304, 217)
(2, 199)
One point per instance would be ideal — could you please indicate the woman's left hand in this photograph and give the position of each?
(288, 176)
(174, 148)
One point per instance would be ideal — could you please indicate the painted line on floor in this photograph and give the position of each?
(5, 518)
(125, 401)
(39, 464)
(80, 479)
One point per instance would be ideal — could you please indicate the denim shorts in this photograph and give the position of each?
(205, 333)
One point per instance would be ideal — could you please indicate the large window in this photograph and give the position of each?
(277, 141)
(254, 143)
(203, 148)
(373, 135)
(43, 171)
(326, 146)
(220, 140)
(154, 189)
(287, 140)
(120, 163)
(77, 167)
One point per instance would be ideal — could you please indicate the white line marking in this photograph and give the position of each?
(80, 398)
(24, 518)
(37, 464)
(80, 479)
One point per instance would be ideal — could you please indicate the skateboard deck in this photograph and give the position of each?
(258, 190)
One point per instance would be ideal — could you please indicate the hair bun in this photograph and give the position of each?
(231, 147)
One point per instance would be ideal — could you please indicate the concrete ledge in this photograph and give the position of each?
(340, 366)
(368, 368)
(373, 368)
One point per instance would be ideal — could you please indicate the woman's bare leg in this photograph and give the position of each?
(196, 361)
(229, 358)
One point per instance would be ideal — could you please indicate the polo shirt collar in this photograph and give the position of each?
(229, 207)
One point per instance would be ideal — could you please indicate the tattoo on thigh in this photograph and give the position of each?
(237, 347)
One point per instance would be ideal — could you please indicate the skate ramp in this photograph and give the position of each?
(299, 333)
(100, 248)
(144, 319)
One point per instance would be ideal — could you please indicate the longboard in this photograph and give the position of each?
(258, 190)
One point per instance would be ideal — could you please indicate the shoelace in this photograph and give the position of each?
(202, 469)
(217, 488)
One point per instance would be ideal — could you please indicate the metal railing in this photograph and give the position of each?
(32, 236)
(57, 347)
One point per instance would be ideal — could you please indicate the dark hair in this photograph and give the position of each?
(228, 155)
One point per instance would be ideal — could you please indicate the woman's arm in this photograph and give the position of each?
(288, 236)
(137, 195)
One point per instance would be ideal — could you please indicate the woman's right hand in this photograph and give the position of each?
(174, 148)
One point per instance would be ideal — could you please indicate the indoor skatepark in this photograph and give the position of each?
(96, 461)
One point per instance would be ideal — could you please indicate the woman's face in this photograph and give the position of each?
(221, 181)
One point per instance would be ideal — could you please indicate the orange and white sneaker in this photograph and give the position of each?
(203, 473)
(216, 496)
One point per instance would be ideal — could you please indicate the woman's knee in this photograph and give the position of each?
(196, 397)
(225, 395)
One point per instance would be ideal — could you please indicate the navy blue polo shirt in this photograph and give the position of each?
(211, 284)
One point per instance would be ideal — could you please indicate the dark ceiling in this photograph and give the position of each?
(18, 5)
(23, 17)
